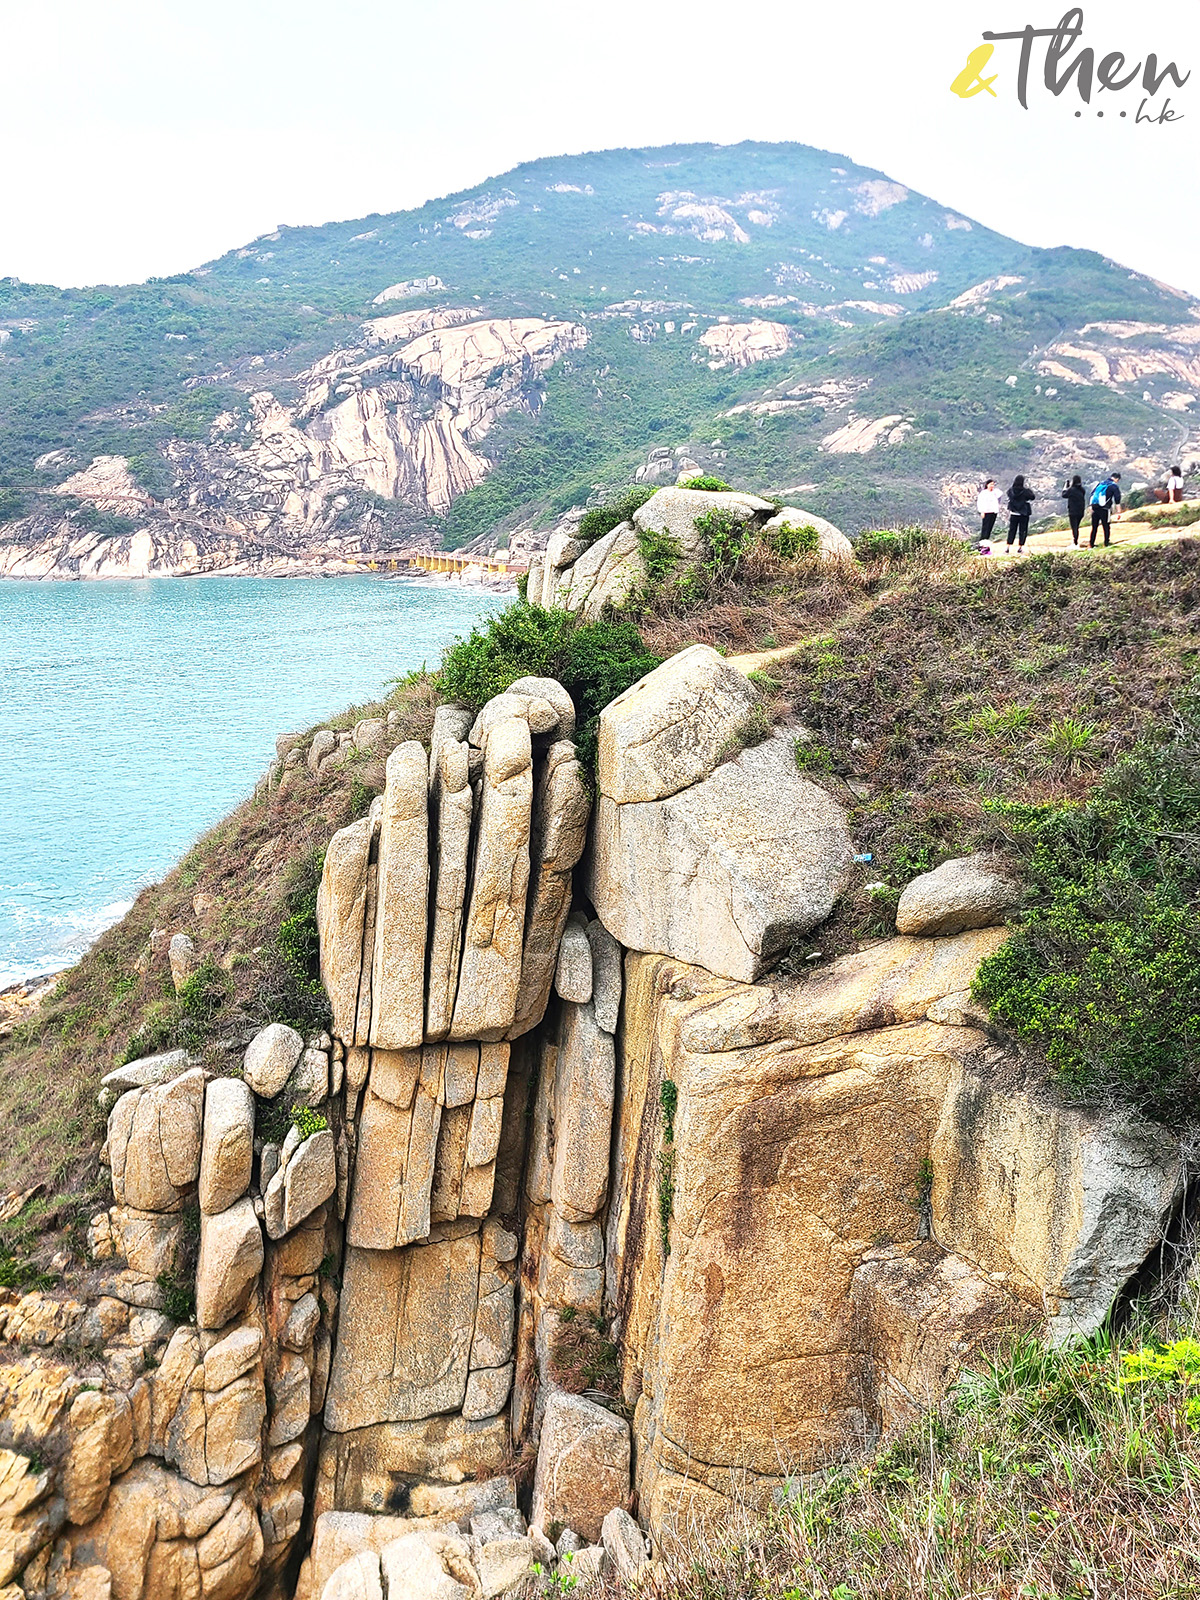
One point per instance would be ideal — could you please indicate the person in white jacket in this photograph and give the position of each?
(988, 506)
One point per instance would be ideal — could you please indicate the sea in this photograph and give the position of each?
(134, 714)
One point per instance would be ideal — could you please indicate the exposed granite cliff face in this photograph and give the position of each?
(564, 1136)
(399, 415)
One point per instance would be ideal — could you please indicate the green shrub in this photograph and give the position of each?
(661, 553)
(790, 543)
(709, 485)
(889, 544)
(179, 1297)
(811, 756)
(306, 1121)
(603, 519)
(12, 505)
(1181, 517)
(300, 997)
(1103, 972)
(594, 661)
(202, 997)
(726, 538)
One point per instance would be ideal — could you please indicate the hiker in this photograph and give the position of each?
(1076, 497)
(1174, 486)
(1020, 504)
(1105, 495)
(988, 506)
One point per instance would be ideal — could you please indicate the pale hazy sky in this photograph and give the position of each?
(142, 137)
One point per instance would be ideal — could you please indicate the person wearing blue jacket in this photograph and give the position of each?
(1105, 495)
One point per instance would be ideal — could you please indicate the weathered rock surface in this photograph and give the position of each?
(1051, 1199)
(227, 1158)
(971, 892)
(573, 974)
(451, 804)
(154, 1142)
(271, 1058)
(406, 1353)
(582, 1465)
(671, 728)
(231, 1258)
(560, 816)
(398, 979)
(303, 1182)
(584, 1088)
(674, 511)
(341, 910)
(490, 976)
(725, 874)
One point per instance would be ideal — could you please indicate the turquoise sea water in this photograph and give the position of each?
(134, 714)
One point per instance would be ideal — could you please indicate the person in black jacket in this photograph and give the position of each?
(1020, 504)
(1076, 497)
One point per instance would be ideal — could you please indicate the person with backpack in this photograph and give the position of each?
(1174, 486)
(1020, 504)
(1105, 495)
(1076, 497)
(988, 506)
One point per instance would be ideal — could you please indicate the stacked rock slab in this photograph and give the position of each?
(188, 1445)
(440, 917)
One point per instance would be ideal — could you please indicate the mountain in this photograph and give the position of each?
(773, 313)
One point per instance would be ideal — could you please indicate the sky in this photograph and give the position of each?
(144, 137)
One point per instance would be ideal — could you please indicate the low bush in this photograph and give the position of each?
(306, 1121)
(594, 661)
(708, 484)
(1181, 517)
(1103, 971)
(1046, 1475)
(600, 520)
(889, 544)
(791, 543)
(300, 997)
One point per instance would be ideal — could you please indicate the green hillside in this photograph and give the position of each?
(668, 234)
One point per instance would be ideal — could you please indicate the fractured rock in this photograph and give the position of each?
(573, 973)
(584, 1090)
(492, 935)
(560, 817)
(271, 1057)
(451, 801)
(227, 1158)
(607, 959)
(231, 1258)
(624, 1545)
(582, 1465)
(398, 978)
(404, 1355)
(341, 909)
(671, 728)
(306, 1180)
(728, 873)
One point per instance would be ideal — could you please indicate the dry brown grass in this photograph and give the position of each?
(1043, 1478)
(1020, 683)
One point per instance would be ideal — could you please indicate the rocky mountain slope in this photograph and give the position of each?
(490, 360)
